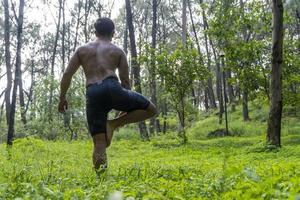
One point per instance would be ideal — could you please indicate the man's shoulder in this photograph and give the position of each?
(91, 45)
(85, 47)
(116, 48)
(80, 48)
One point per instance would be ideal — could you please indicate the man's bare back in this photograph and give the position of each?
(99, 59)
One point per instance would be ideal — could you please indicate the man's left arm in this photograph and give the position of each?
(66, 81)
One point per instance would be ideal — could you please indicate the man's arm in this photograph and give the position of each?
(124, 71)
(66, 80)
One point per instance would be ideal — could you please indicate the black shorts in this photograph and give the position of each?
(108, 94)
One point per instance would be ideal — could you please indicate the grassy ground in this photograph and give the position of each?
(225, 168)
(222, 168)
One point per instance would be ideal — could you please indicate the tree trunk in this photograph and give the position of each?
(29, 96)
(245, 91)
(210, 91)
(7, 61)
(182, 103)
(21, 96)
(63, 35)
(153, 120)
(184, 28)
(66, 116)
(206, 106)
(53, 62)
(135, 64)
(219, 91)
(195, 33)
(125, 38)
(10, 133)
(87, 8)
(219, 85)
(201, 59)
(77, 25)
(20, 79)
(230, 91)
(181, 114)
(245, 106)
(274, 122)
(164, 99)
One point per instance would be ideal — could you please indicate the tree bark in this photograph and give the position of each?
(53, 62)
(153, 120)
(77, 25)
(30, 95)
(7, 61)
(245, 91)
(125, 38)
(275, 113)
(218, 84)
(230, 90)
(245, 106)
(87, 8)
(10, 133)
(206, 106)
(135, 64)
(184, 28)
(210, 91)
(22, 100)
(63, 35)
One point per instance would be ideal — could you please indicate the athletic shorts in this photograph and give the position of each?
(108, 94)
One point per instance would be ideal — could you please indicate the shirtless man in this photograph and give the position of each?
(100, 59)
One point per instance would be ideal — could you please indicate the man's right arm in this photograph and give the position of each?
(124, 71)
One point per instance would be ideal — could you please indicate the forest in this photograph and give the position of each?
(224, 76)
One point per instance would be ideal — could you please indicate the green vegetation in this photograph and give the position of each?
(239, 167)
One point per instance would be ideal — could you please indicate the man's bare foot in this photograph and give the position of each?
(110, 128)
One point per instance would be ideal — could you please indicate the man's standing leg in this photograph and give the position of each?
(99, 153)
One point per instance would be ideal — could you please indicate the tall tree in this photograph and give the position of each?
(181, 109)
(274, 122)
(87, 9)
(183, 21)
(79, 5)
(199, 55)
(154, 122)
(134, 64)
(245, 89)
(53, 60)
(209, 89)
(7, 60)
(17, 78)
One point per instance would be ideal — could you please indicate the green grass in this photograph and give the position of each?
(239, 167)
(224, 168)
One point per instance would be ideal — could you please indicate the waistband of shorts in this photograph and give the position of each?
(101, 81)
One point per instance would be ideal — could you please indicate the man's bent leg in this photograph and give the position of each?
(99, 153)
(131, 117)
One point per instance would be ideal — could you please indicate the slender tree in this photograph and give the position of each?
(209, 89)
(53, 60)
(134, 64)
(274, 122)
(17, 79)
(7, 60)
(154, 122)
(79, 5)
(183, 22)
(245, 89)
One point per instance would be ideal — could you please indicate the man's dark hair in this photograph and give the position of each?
(104, 26)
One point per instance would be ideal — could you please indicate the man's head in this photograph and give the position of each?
(104, 27)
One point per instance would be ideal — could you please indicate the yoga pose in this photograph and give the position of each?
(100, 59)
